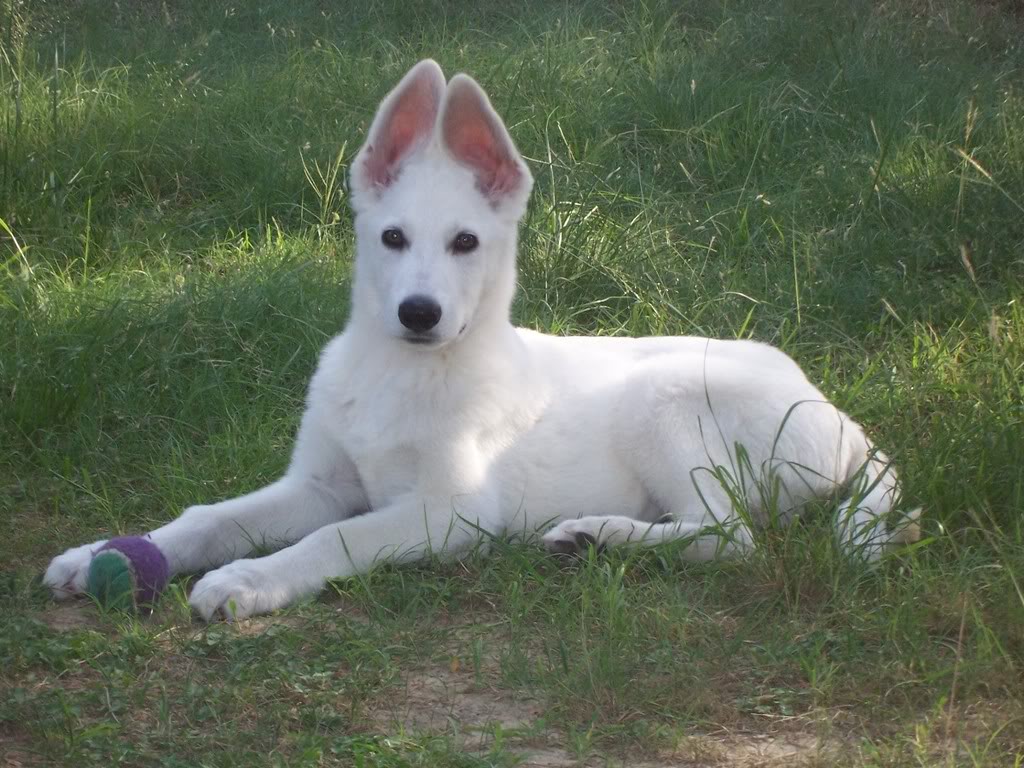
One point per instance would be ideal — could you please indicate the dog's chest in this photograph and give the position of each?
(378, 433)
(411, 428)
(388, 474)
(397, 436)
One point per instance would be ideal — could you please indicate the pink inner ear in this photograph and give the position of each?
(409, 120)
(474, 141)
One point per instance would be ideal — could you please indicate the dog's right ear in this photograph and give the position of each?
(405, 121)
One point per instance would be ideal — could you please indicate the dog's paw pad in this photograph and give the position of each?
(586, 541)
(561, 547)
(572, 538)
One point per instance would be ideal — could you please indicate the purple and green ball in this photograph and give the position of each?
(127, 574)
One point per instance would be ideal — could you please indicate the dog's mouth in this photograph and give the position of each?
(430, 339)
(421, 339)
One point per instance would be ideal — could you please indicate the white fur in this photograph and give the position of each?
(407, 448)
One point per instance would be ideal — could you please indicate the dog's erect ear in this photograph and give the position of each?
(405, 121)
(475, 136)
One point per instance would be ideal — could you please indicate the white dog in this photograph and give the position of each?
(431, 418)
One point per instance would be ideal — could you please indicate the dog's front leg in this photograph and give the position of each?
(209, 535)
(408, 529)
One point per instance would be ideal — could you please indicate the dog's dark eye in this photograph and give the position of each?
(393, 238)
(465, 242)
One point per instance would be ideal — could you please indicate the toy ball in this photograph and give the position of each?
(127, 573)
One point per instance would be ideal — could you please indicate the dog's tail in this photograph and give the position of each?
(869, 518)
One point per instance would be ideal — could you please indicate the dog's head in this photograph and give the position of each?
(438, 190)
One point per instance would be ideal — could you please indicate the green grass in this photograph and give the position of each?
(843, 179)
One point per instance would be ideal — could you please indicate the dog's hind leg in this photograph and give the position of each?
(864, 524)
(704, 518)
(704, 541)
(656, 434)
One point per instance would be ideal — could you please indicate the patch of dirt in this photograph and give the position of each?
(70, 615)
(441, 700)
(753, 751)
(444, 700)
(559, 758)
(757, 750)
(14, 759)
(15, 751)
(734, 751)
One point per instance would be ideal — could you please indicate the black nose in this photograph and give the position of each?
(419, 313)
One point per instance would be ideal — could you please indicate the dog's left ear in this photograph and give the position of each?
(477, 138)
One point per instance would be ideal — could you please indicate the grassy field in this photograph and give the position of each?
(842, 178)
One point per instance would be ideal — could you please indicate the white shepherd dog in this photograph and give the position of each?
(432, 418)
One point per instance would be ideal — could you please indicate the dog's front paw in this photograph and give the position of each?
(67, 573)
(572, 536)
(237, 590)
